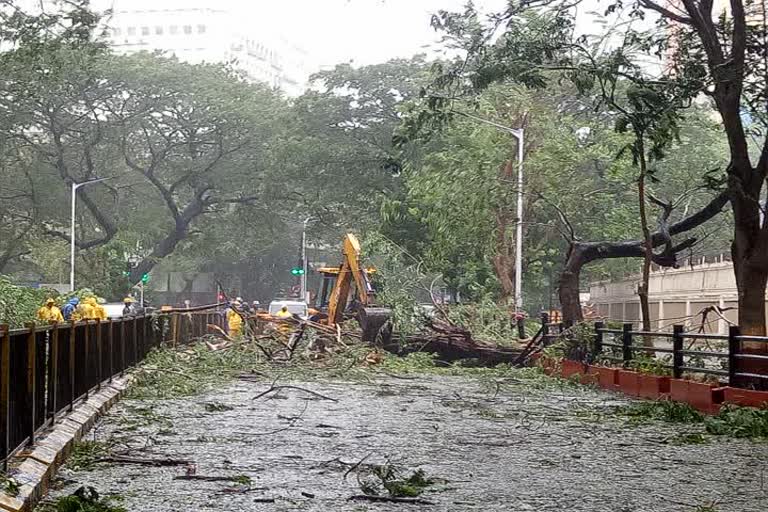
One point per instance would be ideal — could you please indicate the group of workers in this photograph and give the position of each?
(237, 311)
(90, 308)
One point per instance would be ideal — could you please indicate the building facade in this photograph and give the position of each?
(199, 31)
(676, 296)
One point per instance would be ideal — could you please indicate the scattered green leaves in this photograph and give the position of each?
(85, 454)
(386, 479)
(85, 499)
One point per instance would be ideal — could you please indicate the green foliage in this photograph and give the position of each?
(9, 485)
(739, 422)
(643, 363)
(85, 454)
(85, 499)
(19, 304)
(661, 410)
(168, 373)
(731, 421)
(386, 479)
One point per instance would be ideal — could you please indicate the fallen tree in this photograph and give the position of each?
(582, 253)
(452, 342)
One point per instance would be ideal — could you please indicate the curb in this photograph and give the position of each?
(36, 466)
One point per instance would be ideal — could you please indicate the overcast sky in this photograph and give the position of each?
(362, 31)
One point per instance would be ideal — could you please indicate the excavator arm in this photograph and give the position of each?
(371, 318)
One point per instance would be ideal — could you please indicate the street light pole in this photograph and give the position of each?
(519, 234)
(519, 134)
(76, 186)
(304, 260)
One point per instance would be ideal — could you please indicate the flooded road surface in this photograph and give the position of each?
(512, 447)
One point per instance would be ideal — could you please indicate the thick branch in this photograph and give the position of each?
(666, 12)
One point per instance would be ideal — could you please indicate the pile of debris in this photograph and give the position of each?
(283, 338)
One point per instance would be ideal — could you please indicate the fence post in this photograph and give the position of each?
(72, 384)
(111, 348)
(100, 354)
(545, 329)
(5, 393)
(174, 328)
(135, 338)
(87, 357)
(598, 346)
(677, 351)
(31, 380)
(733, 351)
(520, 328)
(122, 347)
(626, 342)
(53, 375)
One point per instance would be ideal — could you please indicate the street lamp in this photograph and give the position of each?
(518, 133)
(304, 260)
(76, 186)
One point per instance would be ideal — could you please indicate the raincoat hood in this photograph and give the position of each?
(74, 301)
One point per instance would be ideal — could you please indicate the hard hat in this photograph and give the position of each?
(101, 300)
(129, 300)
(256, 303)
(50, 301)
(239, 299)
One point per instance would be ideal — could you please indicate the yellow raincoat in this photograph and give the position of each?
(87, 309)
(101, 311)
(234, 322)
(50, 312)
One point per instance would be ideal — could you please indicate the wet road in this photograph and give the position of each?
(517, 446)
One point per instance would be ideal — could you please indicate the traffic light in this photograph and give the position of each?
(297, 271)
(145, 278)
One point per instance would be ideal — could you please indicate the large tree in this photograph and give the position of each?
(537, 44)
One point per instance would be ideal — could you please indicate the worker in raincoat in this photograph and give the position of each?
(87, 309)
(128, 306)
(234, 319)
(101, 311)
(284, 314)
(69, 311)
(50, 312)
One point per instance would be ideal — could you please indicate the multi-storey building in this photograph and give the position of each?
(205, 31)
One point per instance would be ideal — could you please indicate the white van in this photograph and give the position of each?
(295, 307)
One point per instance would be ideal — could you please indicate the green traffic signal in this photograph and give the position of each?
(145, 278)
(297, 271)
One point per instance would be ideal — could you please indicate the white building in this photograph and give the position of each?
(198, 31)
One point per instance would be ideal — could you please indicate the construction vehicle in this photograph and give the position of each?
(340, 281)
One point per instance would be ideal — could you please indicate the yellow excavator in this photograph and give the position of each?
(340, 281)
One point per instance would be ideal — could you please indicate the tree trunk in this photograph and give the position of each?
(749, 252)
(642, 291)
(168, 244)
(569, 287)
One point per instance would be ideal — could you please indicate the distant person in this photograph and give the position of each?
(87, 309)
(284, 314)
(129, 309)
(234, 319)
(256, 306)
(100, 310)
(69, 311)
(50, 312)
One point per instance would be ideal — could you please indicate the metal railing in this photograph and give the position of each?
(46, 370)
(732, 356)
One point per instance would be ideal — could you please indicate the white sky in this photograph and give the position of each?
(361, 31)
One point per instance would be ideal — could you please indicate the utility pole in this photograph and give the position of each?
(304, 264)
(519, 134)
(76, 186)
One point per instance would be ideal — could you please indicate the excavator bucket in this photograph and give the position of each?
(371, 320)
